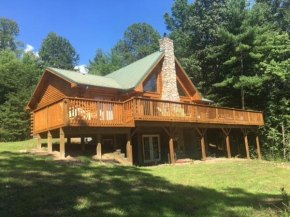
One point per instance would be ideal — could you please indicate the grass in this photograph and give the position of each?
(37, 186)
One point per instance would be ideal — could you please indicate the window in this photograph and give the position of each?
(105, 109)
(151, 84)
(180, 89)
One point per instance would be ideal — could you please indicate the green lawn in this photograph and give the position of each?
(38, 186)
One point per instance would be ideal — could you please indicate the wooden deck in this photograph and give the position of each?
(94, 113)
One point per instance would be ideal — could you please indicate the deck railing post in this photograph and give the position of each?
(66, 121)
(134, 103)
(234, 116)
(217, 114)
(124, 113)
(98, 113)
(249, 118)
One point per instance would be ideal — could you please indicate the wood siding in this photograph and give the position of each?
(56, 90)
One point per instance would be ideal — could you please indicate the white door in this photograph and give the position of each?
(151, 148)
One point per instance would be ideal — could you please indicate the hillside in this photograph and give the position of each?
(34, 185)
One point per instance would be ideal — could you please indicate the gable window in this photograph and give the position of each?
(180, 90)
(151, 84)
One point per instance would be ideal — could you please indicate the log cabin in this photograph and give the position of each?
(149, 110)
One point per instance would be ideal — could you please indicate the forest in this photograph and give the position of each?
(237, 54)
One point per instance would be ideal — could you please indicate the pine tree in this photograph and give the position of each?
(58, 52)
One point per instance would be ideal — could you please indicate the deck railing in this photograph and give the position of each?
(87, 112)
(50, 117)
(159, 110)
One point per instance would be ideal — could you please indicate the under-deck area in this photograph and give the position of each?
(153, 143)
(148, 131)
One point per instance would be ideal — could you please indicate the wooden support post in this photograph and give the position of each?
(227, 134)
(245, 132)
(228, 146)
(83, 143)
(38, 141)
(201, 132)
(203, 148)
(49, 142)
(99, 147)
(258, 147)
(129, 148)
(61, 143)
(171, 149)
(257, 143)
(247, 146)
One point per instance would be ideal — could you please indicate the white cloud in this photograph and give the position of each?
(28, 48)
(82, 69)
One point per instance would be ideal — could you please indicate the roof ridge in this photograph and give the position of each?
(125, 78)
(162, 51)
(135, 72)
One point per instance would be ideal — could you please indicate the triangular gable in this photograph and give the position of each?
(182, 78)
(155, 69)
(186, 82)
(40, 88)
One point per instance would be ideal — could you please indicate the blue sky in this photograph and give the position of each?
(87, 24)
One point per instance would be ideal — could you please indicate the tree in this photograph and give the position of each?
(18, 78)
(236, 44)
(58, 52)
(9, 30)
(275, 65)
(194, 29)
(140, 40)
(104, 63)
(238, 56)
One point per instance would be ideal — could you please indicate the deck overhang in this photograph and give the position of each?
(71, 112)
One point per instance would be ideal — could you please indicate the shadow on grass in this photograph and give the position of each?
(35, 186)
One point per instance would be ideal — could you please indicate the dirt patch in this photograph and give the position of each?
(69, 160)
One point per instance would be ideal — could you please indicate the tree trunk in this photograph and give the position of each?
(283, 140)
(242, 88)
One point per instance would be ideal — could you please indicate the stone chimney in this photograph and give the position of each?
(169, 84)
(169, 88)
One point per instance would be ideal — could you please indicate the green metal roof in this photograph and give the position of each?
(125, 78)
(131, 76)
(87, 79)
